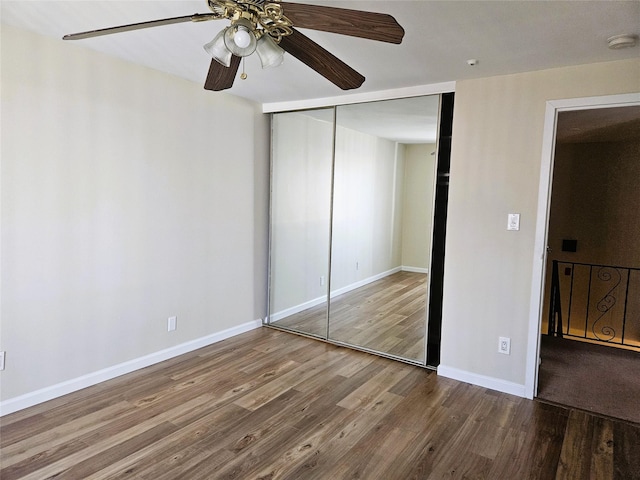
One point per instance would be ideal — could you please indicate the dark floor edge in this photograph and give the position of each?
(588, 412)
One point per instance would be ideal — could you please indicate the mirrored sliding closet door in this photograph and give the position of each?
(302, 155)
(352, 214)
(384, 176)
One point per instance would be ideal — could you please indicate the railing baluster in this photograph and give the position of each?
(586, 318)
(573, 269)
(607, 321)
(555, 308)
(626, 299)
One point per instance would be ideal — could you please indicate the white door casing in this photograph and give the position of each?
(542, 218)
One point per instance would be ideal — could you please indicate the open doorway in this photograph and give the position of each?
(591, 295)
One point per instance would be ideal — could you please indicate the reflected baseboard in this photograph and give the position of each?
(274, 317)
(405, 268)
(363, 282)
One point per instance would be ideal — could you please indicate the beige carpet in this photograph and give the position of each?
(596, 378)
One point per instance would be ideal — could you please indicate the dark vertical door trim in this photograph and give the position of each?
(434, 326)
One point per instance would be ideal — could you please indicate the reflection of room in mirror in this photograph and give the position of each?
(302, 147)
(376, 212)
(387, 315)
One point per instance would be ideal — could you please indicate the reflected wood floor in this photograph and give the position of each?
(272, 405)
(387, 315)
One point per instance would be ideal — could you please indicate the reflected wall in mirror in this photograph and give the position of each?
(302, 156)
(384, 177)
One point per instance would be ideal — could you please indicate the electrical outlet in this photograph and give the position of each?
(504, 345)
(172, 324)
(321, 280)
(2, 354)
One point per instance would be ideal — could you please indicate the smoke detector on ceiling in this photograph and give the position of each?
(622, 41)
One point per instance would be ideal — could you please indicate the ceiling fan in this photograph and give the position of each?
(267, 28)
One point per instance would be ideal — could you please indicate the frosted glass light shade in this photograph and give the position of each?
(217, 49)
(270, 53)
(240, 39)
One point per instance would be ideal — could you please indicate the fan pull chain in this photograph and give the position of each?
(243, 75)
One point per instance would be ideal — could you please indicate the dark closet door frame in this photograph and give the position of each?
(434, 318)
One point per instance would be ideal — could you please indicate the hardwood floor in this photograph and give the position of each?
(387, 315)
(268, 404)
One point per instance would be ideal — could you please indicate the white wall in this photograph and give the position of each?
(594, 202)
(417, 209)
(367, 211)
(128, 196)
(366, 208)
(495, 170)
(301, 204)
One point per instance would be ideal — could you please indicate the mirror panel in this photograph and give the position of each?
(302, 156)
(384, 177)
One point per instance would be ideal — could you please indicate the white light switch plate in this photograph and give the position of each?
(513, 221)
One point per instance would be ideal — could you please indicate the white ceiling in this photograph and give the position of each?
(403, 120)
(505, 36)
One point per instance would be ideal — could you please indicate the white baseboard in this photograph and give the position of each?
(49, 393)
(317, 301)
(405, 268)
(497, 384)
(362, 283)
(297, 309)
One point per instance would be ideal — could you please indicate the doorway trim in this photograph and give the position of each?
(542, 218)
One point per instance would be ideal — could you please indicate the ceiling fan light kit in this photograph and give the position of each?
(267, 27)
(270, 54)
(240, 38)
(217, 49)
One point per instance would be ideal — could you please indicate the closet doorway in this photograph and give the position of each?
(357, 223)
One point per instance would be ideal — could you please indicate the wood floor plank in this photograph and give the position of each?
(373, 454)
(626, 453)
(545, 428)
(30, 449)
(179, 447)
(269, 404)
(38, 461)
(387, 315)
(93, 463)
(370, 391)
(213, 435)
(324, 451)
(577, 441)
(258, 397)
(418, 460)
(602, 449)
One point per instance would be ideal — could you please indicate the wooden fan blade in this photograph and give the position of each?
(197, 17)
(221, 77)
(322, 61)
(356, 23)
